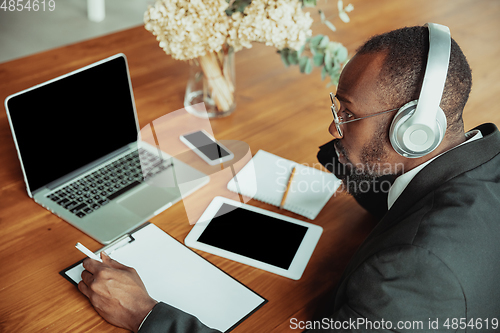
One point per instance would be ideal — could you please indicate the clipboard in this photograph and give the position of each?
(174, 274)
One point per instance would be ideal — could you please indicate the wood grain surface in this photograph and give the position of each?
(278, 110)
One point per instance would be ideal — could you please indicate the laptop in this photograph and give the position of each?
(77, 141)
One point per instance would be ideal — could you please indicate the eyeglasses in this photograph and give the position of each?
(339, 120)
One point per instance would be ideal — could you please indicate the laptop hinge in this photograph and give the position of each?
(86, 168)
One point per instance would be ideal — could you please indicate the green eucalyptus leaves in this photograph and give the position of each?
(323, 53)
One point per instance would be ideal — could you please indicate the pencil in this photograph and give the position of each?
(287, 188)
(87, 252)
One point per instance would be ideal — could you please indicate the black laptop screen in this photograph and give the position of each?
(66, 124)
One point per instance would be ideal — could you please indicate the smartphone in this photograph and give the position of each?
(205, 146)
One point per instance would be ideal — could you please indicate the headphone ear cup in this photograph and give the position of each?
(403, 114)
(400, 124)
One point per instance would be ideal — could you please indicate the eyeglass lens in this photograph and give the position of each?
(335, 109)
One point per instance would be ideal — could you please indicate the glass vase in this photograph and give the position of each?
(212, 81)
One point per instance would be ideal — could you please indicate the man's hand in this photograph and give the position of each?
(116, 292)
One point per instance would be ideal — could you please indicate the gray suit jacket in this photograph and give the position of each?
(435, 255)
(167, 319)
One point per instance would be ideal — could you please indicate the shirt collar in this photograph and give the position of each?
(402, 181)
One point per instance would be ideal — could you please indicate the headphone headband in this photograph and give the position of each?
(435, 74)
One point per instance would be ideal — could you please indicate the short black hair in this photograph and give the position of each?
(404, 66)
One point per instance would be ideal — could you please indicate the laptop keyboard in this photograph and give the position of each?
(89, 193)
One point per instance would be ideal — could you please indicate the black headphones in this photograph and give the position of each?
(419, 126)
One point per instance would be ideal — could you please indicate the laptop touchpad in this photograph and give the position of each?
(149, 199)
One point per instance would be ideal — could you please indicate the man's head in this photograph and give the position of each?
(386, 73)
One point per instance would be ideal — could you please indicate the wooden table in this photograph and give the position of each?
(278, 110)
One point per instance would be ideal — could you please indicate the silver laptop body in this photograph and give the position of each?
(77, 141)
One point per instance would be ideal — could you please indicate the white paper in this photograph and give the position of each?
(174, 274)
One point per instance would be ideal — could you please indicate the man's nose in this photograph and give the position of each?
(333, 131)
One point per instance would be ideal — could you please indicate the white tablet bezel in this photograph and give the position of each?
(200, 153)
(299, 261)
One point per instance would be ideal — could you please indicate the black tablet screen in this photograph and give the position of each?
(253, 235)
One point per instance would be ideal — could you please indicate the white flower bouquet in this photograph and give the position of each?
(203, 30)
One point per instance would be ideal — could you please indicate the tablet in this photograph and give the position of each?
(256, 237)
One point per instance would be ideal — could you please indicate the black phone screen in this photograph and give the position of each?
(206, 145)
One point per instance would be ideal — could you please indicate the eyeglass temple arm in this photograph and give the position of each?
(372, 115)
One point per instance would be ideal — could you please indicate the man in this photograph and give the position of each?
(433, 257)
(434, 254)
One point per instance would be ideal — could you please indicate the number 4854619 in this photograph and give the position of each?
(478, 323)
(27, 5)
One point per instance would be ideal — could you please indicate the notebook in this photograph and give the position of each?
(174, 274)
(265, 178)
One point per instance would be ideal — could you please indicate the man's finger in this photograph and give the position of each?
(84, 289)
(111, 262)
(92, 265)
(87, 278)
